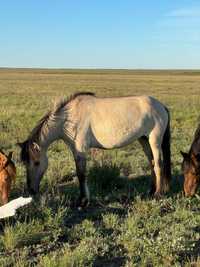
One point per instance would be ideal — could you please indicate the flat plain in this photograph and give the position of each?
(124, 225)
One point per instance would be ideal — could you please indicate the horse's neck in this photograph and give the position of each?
(53, 133)
(60, 128)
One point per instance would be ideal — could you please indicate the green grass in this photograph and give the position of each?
(123, 226)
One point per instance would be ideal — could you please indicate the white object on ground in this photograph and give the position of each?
(10, 208)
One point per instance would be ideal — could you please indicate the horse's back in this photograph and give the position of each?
(134, 108)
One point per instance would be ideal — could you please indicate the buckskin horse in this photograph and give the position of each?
(85, 121)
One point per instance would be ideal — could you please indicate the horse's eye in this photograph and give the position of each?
(36, 163)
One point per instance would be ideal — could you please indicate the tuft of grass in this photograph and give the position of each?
(22, 234)
(104, 178)
(80, 256)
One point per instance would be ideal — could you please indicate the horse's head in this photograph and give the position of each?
(191, 171)
(36, 163)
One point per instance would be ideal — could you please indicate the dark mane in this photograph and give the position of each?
(37, 129)
(66, 101)
(58, 107)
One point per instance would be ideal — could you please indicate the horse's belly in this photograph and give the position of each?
(116, 137)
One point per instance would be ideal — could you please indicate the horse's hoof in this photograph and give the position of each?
(82, 203)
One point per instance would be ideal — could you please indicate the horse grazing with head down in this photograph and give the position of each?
(85, 121)
(191, 166)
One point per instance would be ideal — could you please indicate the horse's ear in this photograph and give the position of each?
(3, 161)
(34, 150)
(184, 155)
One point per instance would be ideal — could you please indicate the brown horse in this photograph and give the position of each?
(191, 166)
(7, 176)
(85, 121)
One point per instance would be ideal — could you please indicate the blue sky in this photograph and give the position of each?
(100, 34)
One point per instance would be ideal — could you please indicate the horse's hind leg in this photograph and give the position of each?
(155, 140)
(148, 152)
(80, 161)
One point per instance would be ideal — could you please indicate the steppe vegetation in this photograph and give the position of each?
(123, 226)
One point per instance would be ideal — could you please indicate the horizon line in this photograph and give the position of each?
(100, 68)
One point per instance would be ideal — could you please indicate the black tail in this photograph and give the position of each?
(166, 155)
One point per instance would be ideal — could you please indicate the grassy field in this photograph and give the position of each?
(123, 226)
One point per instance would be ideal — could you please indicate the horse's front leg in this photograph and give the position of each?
(157, 156)
(80, 161)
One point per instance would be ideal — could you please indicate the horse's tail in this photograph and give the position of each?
(166, 155)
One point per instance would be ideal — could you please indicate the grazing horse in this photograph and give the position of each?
(191, 166)
(85, 121)
(7, 176)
